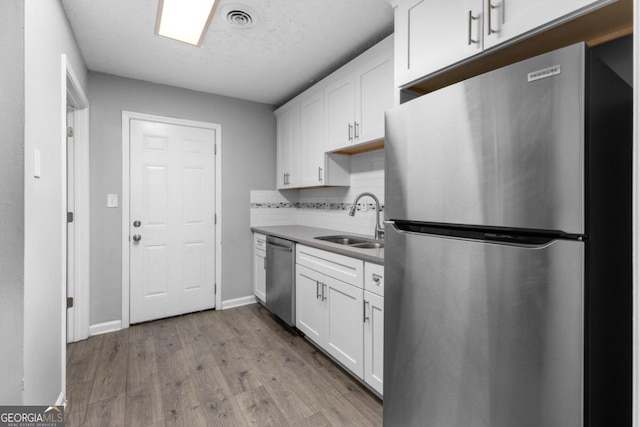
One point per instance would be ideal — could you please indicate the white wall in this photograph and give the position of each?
(47, 36)
(12, 196)
(248, 156)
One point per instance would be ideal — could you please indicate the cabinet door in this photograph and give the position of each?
(312, 140)
(432, 34)
(344, 324)
(288, 124)
(374, 95)
(373, 340)
(310, 306)
(340, 102)
(259, 274)
(511, 18)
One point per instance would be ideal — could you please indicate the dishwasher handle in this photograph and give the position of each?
(279, 247)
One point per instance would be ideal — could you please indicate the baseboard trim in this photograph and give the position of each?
(104, 327)
(238, 302)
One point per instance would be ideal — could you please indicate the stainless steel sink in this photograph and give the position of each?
(355, 242)
(369, 245)
(342, 240)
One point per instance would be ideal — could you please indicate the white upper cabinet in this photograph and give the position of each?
(341, 112)
(344, 109)
(507, 19)
(432, 35)
(374, 96)
(312, 140)
(288, 146)
(357, 97)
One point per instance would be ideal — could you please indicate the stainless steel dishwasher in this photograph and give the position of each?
(280, 286)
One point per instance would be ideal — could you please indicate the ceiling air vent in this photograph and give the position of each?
(239, 18)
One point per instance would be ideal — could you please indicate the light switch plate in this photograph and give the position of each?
(112, 200)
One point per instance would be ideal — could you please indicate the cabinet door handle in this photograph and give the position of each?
(317, 289)
(376, 278)
(471, 19)
(319, 174)
(490, 7)
(365, 303)
(350, 132)
(356, 127)
(324, 287)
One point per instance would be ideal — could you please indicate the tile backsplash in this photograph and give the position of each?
(326, 207)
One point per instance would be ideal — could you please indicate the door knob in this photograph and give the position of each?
(137, 223)
(137, 238)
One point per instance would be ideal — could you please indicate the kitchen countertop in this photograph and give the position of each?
(305, 235)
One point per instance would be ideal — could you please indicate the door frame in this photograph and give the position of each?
(127, 116)
(77, 320)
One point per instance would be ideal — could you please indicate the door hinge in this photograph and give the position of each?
(69, 132)
(69, 302)
(69, 217)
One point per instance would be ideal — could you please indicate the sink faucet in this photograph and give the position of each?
(379, 231)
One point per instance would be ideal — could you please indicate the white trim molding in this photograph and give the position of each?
(72, 94)
(105, 327)
(75, 97)
(238, 302)
(127, 116)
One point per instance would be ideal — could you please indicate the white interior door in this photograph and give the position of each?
(172, 210)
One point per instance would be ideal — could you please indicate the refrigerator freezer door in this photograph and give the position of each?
(482, 334)
(504, 149)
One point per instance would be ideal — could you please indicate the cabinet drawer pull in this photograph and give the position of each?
(490, 7)
(364, 311)
(471, 19)
(376, 278)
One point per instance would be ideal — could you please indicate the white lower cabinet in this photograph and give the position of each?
(335, 312)
(260, 266)
(310, 307)
(373, 340)
(344, 324)
(329, 313)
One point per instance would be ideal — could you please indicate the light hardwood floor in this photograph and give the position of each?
(233, 367)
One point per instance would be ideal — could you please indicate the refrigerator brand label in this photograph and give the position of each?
(543, 74)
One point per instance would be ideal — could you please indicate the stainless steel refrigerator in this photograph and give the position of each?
(508, 249)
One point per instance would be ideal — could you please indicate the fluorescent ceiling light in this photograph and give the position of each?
(185, 20)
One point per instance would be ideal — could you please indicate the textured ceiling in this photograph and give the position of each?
(292, 44)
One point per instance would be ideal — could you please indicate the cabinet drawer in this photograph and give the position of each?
(374, 278)
(344, 268)
(260, 241)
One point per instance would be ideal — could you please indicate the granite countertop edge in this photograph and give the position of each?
(306, 236)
